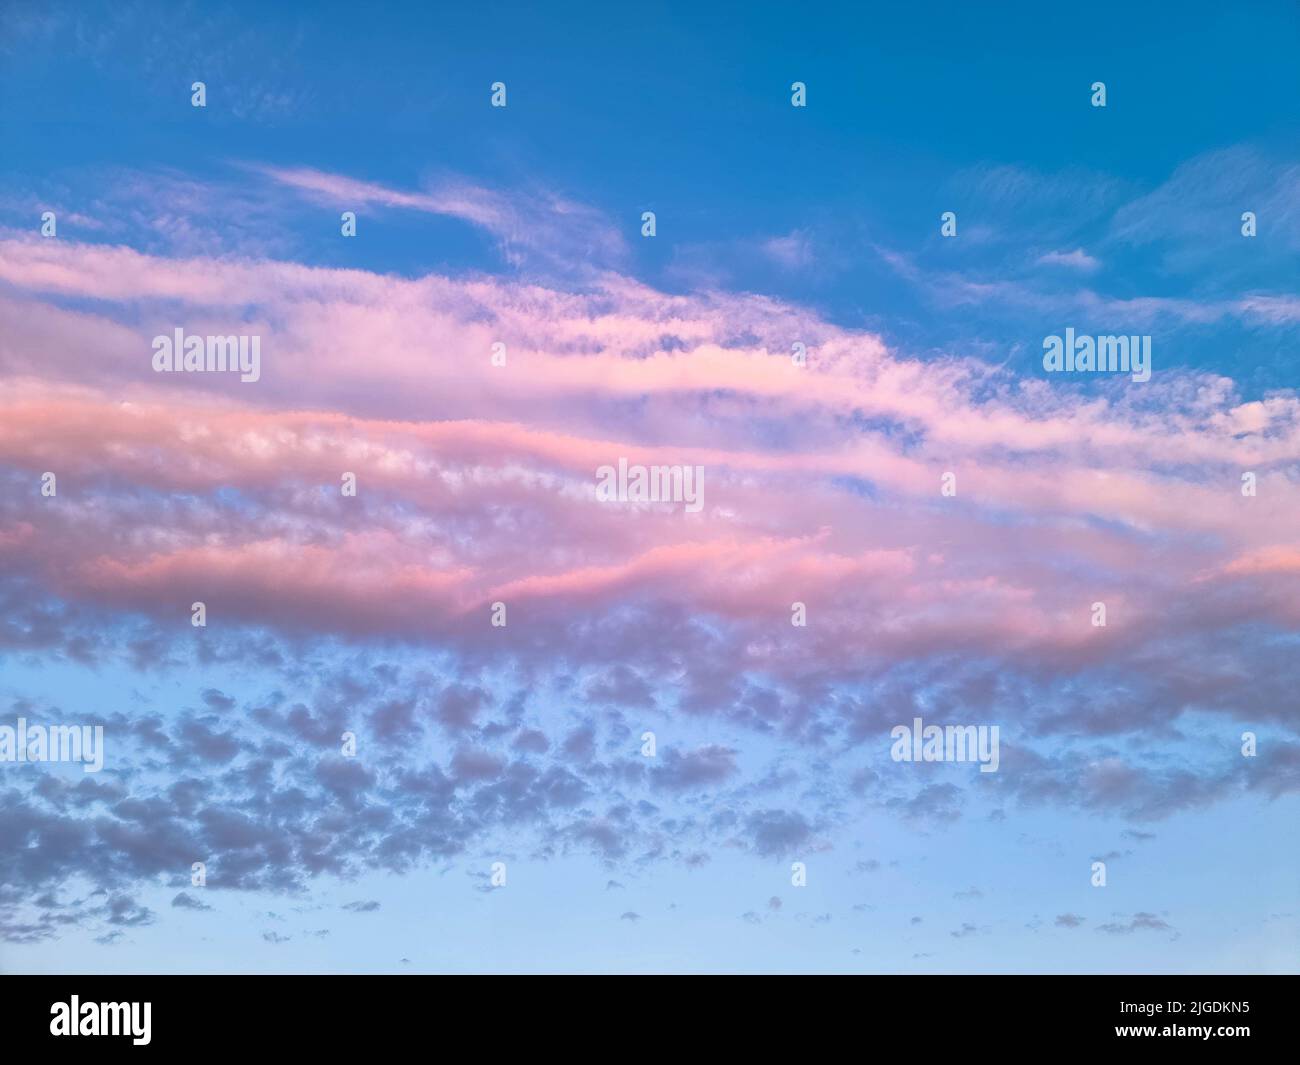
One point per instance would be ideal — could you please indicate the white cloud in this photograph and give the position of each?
(1075, 260)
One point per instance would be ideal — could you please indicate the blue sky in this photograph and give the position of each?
(773, 223)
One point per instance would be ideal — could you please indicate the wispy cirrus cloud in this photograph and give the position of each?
(538, 228)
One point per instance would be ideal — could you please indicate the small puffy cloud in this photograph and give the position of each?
(1137, 923)
(1078, 259)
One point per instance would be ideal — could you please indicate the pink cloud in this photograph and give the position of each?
(477, 482)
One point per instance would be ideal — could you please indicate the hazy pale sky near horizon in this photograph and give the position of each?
(777, 228)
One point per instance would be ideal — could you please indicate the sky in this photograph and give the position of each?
(451, 708)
